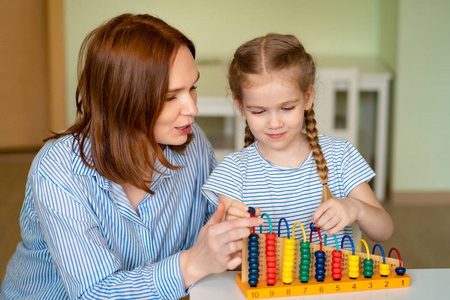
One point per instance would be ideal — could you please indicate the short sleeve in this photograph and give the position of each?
(354, 169)
(226, 179)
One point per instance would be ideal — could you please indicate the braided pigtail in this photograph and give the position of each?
(249, 137)
(313, 139)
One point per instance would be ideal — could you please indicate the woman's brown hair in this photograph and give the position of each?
(123, 75)
(268, 55)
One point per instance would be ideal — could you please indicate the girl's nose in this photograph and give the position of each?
(275, 121)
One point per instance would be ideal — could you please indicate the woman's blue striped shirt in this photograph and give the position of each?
(81, 238)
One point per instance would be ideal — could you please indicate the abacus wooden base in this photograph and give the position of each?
(296, 288)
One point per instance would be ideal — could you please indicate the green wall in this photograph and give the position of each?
(410, 37)
(422, 102)
(325, 27)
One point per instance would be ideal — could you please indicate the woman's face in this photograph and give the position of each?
(174, 122)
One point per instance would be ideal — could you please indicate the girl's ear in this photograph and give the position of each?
(238, 105)
(309, 97)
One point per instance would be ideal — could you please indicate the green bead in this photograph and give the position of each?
(303, 278)
(305, 255)
(368, 273)
(368, 262)
(305, 262)
(304, 267)
(304, 272)
(368, 268)
(305, 250)
(305, 244)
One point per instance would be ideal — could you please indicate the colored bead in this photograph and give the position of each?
(400, 271)
(353, 266)
(336, 265)
(384, 270)
(305, 261)
(288, 260)
(368, 268)
(320, 265)
(271, 261)
(252, 210)
(253, 265)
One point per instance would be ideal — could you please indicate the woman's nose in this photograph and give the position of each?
(190, 106)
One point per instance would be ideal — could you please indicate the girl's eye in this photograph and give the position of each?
(257, 112)
(288, 108)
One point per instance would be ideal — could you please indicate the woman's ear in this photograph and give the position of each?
(309, 97)
(238, 105)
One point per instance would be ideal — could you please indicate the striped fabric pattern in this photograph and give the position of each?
(83, 240)
(292, 193)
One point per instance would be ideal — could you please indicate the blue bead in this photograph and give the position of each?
(400, 271)
(312, 225)
(319, 265)
(252, 210)
(319, 277)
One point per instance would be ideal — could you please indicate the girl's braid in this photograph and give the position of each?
(311, 132)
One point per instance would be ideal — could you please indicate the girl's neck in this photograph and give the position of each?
(291, 157)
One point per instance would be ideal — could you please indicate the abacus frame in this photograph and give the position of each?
(312, 287)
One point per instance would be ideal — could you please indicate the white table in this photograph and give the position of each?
(425, 284)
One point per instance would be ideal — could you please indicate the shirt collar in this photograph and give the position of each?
(78, 167)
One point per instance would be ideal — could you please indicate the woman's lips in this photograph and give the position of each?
(184, 129)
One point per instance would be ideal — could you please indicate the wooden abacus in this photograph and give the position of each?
(333, 270)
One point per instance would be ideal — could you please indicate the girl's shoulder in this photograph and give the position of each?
(333, 145)
(247, 155)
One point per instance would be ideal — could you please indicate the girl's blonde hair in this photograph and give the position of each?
(271, 54)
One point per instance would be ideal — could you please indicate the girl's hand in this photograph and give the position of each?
(217, 247)
(335, 214)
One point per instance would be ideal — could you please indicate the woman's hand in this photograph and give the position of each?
(217, 247)
(235, 209)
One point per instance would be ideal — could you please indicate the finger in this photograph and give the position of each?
(239, 205)
(234, 262)
(341, 225)
(218, 214)
(238, 212)
(325, 218)
(240, 223)
(331, 223)
(320, 211)
(257, 211)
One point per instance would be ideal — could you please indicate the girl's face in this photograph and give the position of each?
(174, 122)
(274, 109)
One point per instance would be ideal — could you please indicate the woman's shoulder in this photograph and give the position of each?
(54, 155)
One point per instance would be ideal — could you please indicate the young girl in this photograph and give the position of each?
(113, 207)
(282, 170)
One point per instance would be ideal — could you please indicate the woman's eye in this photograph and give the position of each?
(194, 87)
(170, 98)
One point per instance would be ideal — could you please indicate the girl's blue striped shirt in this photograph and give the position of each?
(291, 193)
(82, 239)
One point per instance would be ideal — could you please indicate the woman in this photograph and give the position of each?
(113, 206)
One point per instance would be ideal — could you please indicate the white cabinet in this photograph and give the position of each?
(364, 84)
